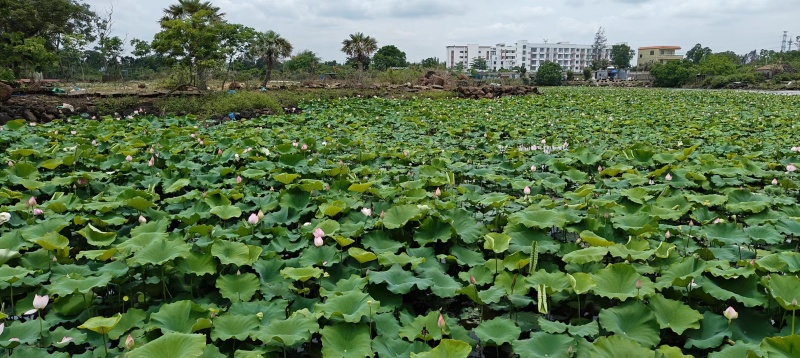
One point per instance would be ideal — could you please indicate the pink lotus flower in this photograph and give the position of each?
(366, 211)
(730, 314)
(318, 241)
(10, 163)
(151, 161)
(668, 177)
(667, 235)
(774, 181)
(318, 233)
(192, 135)
(544, 141)
(437, 193)
(294, 144)
(440, 322)
(2, 327)
(40, 302)
(219, 151)
(790, 167)
(73, 132)
(238, 179)
(533, 168)
(383, 214)
(129, 159)
(599, 168)
(129, 343)
(527, 190)
(717, 220)
(31, 201)
(472, 280)
(94, 142)
(37, 212)
(304, 147)
(200, 142)
(82, 181)
(253, 219)
(142, 219)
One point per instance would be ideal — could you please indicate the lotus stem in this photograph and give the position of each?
(41, 329)
(105, 348)
(793, 321)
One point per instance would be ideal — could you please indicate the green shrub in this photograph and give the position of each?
(672, 74)
(549, 74)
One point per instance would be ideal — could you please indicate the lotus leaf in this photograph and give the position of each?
(346, 340)
(172, 345)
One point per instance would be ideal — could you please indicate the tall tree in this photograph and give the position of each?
(697, 53)
(621, 55)
(432, 62)
(598, 48)
(549, 74)
(192, 33)
(389, 56)
(305, 61)
(271, 48)
(479, 63)
(360, 47)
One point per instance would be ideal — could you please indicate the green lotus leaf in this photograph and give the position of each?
(172, 345)
(742, 289)
(235, 253)
(619, 281)
(360, 188)
(6, 255)
(398, 216)
(301, 274)
(398, 280)
(139, 203)
(413, 327)
(198, 264)
(181, 317)
(447, 348)
(101, 325)
(96, 237)
(589, 254)
(636, 224)
(765, 233)
(713, 329)
(780, 262)
(161, 251)
(378, 241)
(674, 315)
(351, 306)
(496, 242)
(591, 329)
(618, 346)
(361, 255)
(72, 283)
(636, 195)
(670, 352)
(238, 287)
(727, 233)
(234, 326)
(786, 290)
(682, 273)
(538, 218)
(555, 281)
(389, 259)
(497, 331)
(9, 274)
(288, 332)
(285, 178)
(552, 326)
(752, 326)
(630, 252)
(632, 320)
(52, 241)
(346, 340)
(330, 227)
(594, 240)
(332, 208)
(542, 344)
(431, 230)
(781, 346)
(441, 284)
(467, 228)
(740, 349)
(745, 201)
(581, 282)
(134, 317)
(255, 174)
(177, 185)
(226, 212)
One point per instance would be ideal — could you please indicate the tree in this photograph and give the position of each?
(271, 48)
(697, 53)
(717, 65)
(598, 48)
(672, 73)
(305, 61)
(191, 34)
(549, 74)
(389, 56)
(237, 41)
(621, 55)
(479, 63)
(587, 73)
(359, 47)
(431, 62)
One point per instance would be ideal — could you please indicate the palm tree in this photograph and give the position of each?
(271, 48)
(359, 48)
(184, 9)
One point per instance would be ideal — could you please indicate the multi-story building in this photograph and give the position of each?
(573, 57)
(658, 54)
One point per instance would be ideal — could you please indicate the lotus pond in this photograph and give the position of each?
(585, 223)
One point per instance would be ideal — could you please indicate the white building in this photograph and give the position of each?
(523, 53)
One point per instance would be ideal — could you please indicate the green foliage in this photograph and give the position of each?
(432, 62)
(587, 73)
(389, 56)
(305, 61)
(672, 74)
(479, 63)
(549, 74)
(621, 55)
(271, 47)
(717, 64)
(697, 53)
(359, 48)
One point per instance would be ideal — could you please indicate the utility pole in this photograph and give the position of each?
(783, 44)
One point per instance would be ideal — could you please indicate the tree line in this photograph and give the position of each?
(67, 39)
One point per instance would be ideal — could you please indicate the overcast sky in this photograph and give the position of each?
(423, 28)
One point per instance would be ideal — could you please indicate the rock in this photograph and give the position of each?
(5, 92)
(438, 81)
(235, 85)
(28, 115)
(437, 87)
(142, 86)
(4, 118)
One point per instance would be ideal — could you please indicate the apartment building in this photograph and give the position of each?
(658, 54)
(501, 56)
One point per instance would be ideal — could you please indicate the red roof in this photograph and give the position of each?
(660, 48)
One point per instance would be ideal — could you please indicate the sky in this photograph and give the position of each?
(424, 28)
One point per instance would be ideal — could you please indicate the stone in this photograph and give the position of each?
(437, 87)
(28, 115)
(5, 92)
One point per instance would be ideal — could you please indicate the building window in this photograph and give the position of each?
(652, 52)
(662, 52)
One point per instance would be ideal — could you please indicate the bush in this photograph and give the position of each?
(549, 74)
(587, 74)
(672, 74)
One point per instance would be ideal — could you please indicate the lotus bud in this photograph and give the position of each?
(717, 220)
(2, 327)
(774, 181)
(260, 215)
(599, 168)
(40, 302)
(533, 168)
(668, 177)
(192, 135)
(200, 142)
(544, 141)
(10, 163)
(31, 201)
(304, 147)
(366, 211)
(667, 235)
(318, 241)
(238, 272)
(142, 219)
(152, 150)
(383, 214)
(369, 302)
(37, 212)
(151, 161)
(638, 284)
(236, 156)
(129, 343)
(319, 233)
(129, 159)
(730, 314)
(527, 190)
(219, 151)
(437, 193)
(238, 179)
(791, 167)
(651, 182)
(73, 132)
(691, 223)
(65, 340)
(94, 142)
(794, 304)
(253, 219)
(294, 144)
(440, 322)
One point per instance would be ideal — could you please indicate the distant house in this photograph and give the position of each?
(770, 71)
(658, 54)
